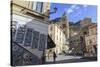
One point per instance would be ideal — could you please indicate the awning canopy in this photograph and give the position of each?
(50, 43)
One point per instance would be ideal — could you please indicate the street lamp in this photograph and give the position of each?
(55, 10)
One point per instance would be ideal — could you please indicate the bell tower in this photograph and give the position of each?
(65, 24)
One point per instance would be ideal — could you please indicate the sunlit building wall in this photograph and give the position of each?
(59, 32)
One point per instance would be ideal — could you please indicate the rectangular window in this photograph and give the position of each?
(37, 6)
(51, 28)
(28, 37)
(42, 42)
(34, 5)
(57, 37)
(20, 35)
(60, 33)
(35, 39)
(60, 38)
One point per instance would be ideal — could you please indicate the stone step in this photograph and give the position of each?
(33, 51)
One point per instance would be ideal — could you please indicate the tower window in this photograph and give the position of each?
(63, 25)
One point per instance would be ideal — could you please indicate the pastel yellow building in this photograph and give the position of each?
(31, 8)
(59, 32)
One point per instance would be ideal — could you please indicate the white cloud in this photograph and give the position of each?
(69, 11)
(85, 6)
(72, 8)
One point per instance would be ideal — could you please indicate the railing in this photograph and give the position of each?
(21, 56)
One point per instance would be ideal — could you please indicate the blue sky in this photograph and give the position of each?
(75, 12)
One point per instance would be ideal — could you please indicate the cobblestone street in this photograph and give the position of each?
(62, 57)
(66, 59)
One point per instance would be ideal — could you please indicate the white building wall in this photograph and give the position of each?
(59, 39)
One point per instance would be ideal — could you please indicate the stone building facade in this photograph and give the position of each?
(83, 38)
(76, 45)
(29, 30)
(91, 40)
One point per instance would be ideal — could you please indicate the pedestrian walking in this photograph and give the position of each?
(54, 56)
